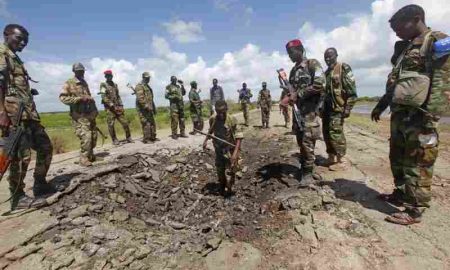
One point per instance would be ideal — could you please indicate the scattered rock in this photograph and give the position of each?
(22, 252)
(171, 168)
(239, 256)
(176, 225)
(209, 166)
(120, 215)
(142, 253)
(306, 232)
(62, 261)
(78, 221)
(90, 249)
(80, 211)
(129, 187)
(152, 222)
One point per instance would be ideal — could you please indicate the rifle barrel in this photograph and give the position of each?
(214, 137)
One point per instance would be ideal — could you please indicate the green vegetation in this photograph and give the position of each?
(366, 99)
(59, 125)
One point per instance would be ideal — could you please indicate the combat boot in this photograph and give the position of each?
(42, 188)
(174, 136)
(331, 160)
(183, 135)
(340, 165)
(85, 162)
(129, 140)
(307, 180)
(128, 135)
(20, 201)
(115, 141)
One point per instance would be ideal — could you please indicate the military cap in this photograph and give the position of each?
(193, 83)
(294, 43)
(264, 83)
(107, 72)
(146, 75)
(78, 66)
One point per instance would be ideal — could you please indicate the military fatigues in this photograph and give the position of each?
(308, 79)
(340, 96)
(414, 134)
(215, 94)
(265, 103)
(244, 98)
(227, 130)
(196, 109)
(14, 79)
(284, 106)
(146, 109)
(175, 93)
(114, 109)
(83, 115)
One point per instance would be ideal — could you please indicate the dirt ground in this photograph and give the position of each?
(157, 207)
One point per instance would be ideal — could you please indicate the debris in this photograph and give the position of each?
(22, 252)
(172, 168)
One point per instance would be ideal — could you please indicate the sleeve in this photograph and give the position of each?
(386, 99)
(259, 97)
(318, 85)
(105, 96)
(168, 94)
(349, 86)
(140, 96)
(3, 72)
(119, 99)
(67, 97)
(211, 125)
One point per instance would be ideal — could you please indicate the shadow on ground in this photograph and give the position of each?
(62, 181)
(283, 172)
(359, 192)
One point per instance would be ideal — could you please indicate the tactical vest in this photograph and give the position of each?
(337, 93)
(81, 109)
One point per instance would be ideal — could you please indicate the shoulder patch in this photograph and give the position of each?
(438, 35)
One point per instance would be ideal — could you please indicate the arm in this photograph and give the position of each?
(4, 119)
(140, 96)
(349, 88)
(106, 96)
(239, 136)
(67, 97)
(119, 99)
(318, 85)
(385, 100)
(222, 96)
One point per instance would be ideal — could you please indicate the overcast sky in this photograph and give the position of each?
(232, 40)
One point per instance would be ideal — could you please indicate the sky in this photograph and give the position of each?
(235, 41)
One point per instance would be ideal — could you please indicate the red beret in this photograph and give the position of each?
(107, 72)
(294, 43)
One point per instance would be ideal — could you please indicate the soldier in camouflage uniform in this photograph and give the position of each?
(284, 106)
(224, 126)
(308, 80)
(195, 108)
(146, 108)
(15, 89)
(215, 94)
(340, 96)
(414, 135)
(83, 111)
(265, 103)
(245, 94)
(175, 93)
(113, 107)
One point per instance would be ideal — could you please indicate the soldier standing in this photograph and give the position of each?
(83, 111)
(265, 103)
(195, 108)
(308, 80)
(14, 91)
(245, 94)
(414, 135)
(113, 107)
(340, 96)
(175, 93)
(146, 108)
(284, 106)
(215, 94)
(224, 126)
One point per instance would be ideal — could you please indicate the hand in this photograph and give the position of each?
(148, 108)
(5, 122)
(86, 98)
(346, 113)
(375, 115)
(205, 145)
(233, 161)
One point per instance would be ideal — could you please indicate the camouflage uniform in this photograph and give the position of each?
(265, 103)
(83, 115)
(175, 93)
(308, 79)
(114, 109)
(196, 109)
(244, 98)
(284, 106)
(145, 106)
(216, 94)
(15, 82)
(227, 130)
(414, 134)
(340, 96)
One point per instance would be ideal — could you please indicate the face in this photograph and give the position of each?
(406, 30)
(244, 85)
(330, 57)
(221, 112)
(79, 73)
(194, 85)
(17, 40)
(295, 54)
(146, 79)
(173, 80)
(109, 77)
(264, 86)
(215, 82)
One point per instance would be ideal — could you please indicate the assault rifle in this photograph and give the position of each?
(10, 144)
(285, 84)
(215, 138)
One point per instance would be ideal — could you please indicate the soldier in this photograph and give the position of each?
(265, 103)
(83, 111)
(284, 106)
(414, 136)
(113, 107)
(215, 94)
(175, 93)
(195, 108)
(245, 94)
(15, 89)
(224, 126)
(146, 108)
(340, 96)
(308, 81)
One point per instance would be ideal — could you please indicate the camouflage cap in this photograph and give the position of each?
(146, 75)
(193, 83)
(78, 66)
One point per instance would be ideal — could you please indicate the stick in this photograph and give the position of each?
(214, 137)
